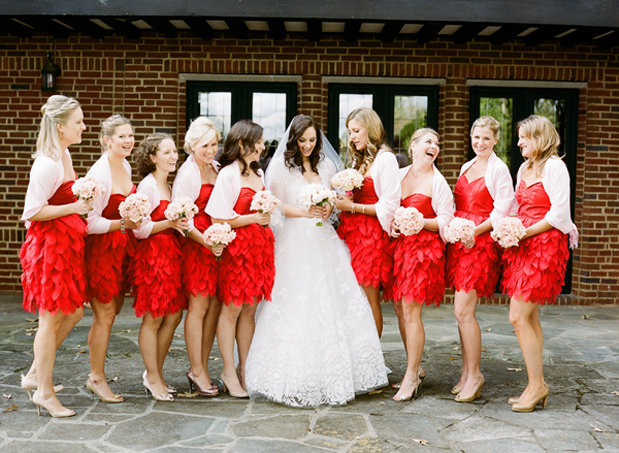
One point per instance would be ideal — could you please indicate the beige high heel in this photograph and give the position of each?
(63, 413)
(476, 394)
(529, 406)
(31, 385)
(414, 394)
(242, 394)
(157, 397)
(115, 399)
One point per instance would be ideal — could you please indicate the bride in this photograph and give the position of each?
(315, 343)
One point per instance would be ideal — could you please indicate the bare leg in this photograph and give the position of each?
(524, 318)
(226, 334)
(209, 328)
(103, 316)
(415, 340)
(147, 340)
(194, 332)
(244, 336)
(470, 340)
(165, 335)
(373, 295)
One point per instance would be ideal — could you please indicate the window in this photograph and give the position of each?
(509, 105)
(272, 105)
(402, 108)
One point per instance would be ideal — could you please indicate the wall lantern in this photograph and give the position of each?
(49, 73)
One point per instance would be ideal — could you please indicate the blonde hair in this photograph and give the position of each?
(200, 127)
(545, 140)
(56, 110)
(490, 123)
(109, 126)
(418, 135)
(368, 118)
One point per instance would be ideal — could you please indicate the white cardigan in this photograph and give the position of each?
(46, 176)
(226, 192)
(556, 182)
(101, 172)
(148, 187)
(442, 199)
(188, 181)
(384, 173)
(499, 184)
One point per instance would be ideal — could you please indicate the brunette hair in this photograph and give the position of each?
(148, 147)
(490, 123)
(243, 133)
(545, 139)
(56, 110)
(376, 136)
(109, 126)
(292, 155)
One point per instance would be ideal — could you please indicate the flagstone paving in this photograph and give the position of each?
(581, 362)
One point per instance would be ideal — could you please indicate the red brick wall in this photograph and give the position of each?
(140, 78)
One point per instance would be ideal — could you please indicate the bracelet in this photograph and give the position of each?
(352, 209)
(122, 226)
(362, 209)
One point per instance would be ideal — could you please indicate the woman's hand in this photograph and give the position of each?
(327, 209)
(343, 203)
(262, 218)
(82, 206)
(394, 231)
(315, 212)
(131, 225)
(180, 225)
(216, 250)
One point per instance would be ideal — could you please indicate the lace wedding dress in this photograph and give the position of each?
(315, 343)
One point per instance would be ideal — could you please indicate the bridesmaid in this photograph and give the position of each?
(483, 195)
(247, 268)
(195, 180)
(52, 256)
(108, 247)
(534, 271)
(366, 219)
(419, 260)
(157, 287)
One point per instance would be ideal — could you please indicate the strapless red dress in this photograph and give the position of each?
(369, 244)
(476, 268)
(156, 271)
(535, 270)
(52, 259)
(108, 256)
(199, 264)
(247, 267)
(419, 260)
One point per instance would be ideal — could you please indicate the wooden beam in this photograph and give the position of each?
(200, 27)
(161, 26)
(351, 30)
(390, 30)
(46, 25)
(314, 29)
(238, 28)
(85, 26)
(608, 41)
(9, 27)
(544, 33)
(121, 27)
(277, 29)
(467, 32)
(507, 32)
(428, 32)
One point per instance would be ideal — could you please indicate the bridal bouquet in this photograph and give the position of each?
(408, 221)
(316, 195)
(136, 208)
(347, 180)
(264, 202)
(219, 234)
(460, 229)
(508, 232)
(181, 208)
(87, 188)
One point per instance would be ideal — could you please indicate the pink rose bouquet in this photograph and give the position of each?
(181, 208)
(460, 229)
(316, 195)
(87, 188)
(408, 221)
(508, 232)
(136, 208)
(264, 202)
(347, 180)
(219, 234)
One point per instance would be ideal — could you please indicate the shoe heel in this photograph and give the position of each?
(190, 385)
(544, 402)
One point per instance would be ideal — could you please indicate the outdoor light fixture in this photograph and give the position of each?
(49, 73)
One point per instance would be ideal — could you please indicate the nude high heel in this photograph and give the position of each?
(157, 397)
(62, 413)
(414, 394)
(31, 385)
(90, 385)
(476, 394)
(529, 406)
(242, 394)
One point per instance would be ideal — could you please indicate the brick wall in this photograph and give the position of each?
(140, 78)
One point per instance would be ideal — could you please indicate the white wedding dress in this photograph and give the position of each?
(315, 343)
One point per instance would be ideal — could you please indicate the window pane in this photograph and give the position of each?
(349, 102)
(501, 109)
(409, 114)
(554, 110)
(269, 111)
(217, 107)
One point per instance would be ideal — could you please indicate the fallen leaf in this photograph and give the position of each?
(489, 329)
(483, 349)
(29, 334)
(596, 429)
(32, 320)
(308, 429)
(376, 392)
(585, 316)
(615, 393)
(8, 397)
(126, 331)
(455, 348)
(514, 369)
(187, 395)
(452, 358)
(421, 441)
(114, 379)
(82, 351)
(10, 408)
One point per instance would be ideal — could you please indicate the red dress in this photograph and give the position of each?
(199, 263)
(52, 259)
(157, 271)
(369, 244)
(535, 270)
(247, 267)
(419, 260)
(476, 268)
(108, 256)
